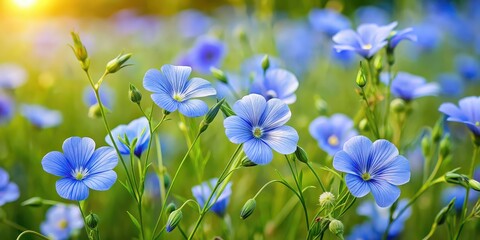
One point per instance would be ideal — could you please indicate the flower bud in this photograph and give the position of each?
(248, 208)
(398, 105)
(247, 162)
(211, 114)
(117, 63)
(227, 110)
(378, 64)
(301, 155)
(363, 125)
(456, 178)
(426, 146)
(167, 180)
(361, 78)
(265, 63)
(443, 214)
(326, 199)
(445, 146)
(170, 208)
(33, 202)
(134, 94)
(321, 106)
(94, 111)
(173, 220)
(219, 75)
(336, 227)
(78, 48)
(474, 184)
(92, 220)
(437, 131)
(390, 57)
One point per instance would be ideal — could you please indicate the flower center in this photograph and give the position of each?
(271, 94)
(80, 173)
(62, 224)
(367, 46)
(177, 97)
(366, 176)
(333, 140)
(257, 132)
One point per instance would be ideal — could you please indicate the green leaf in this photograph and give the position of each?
(134, 220)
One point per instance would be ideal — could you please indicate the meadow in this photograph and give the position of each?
(250, 120)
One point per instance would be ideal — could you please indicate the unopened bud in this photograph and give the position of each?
(248, 208)
(95, 111)
(265, 63)
(219, 75)
(211, 114)
(437, 131)
(326, 199)
(445, 146)
(378, 64)
(78, 48)
(227, 110)
(134, 94)
(173, 220)
(456, 178)
(361, 78)
(118, 63)
(301, 155)
(246, 162)
(398, 105)
(170, 208)
(336, 227)
(443, 214)
(426, 146)
(474, 184)
(92, 220)
(321, 106)
(363, 125)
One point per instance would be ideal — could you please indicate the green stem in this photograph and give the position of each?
(84, 220)
(33, 233)
(13, 225)
(387, 98)
(370, 115)
(316, 176)
(300, 192)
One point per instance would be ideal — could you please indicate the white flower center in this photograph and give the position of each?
(177, 97)
(80, 173)
(367, 46)
(257, 132)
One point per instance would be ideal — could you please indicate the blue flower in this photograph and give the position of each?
(468, 67)
(364, 231)
(398, 36)
(192, 23)
(8, 190)
(375, 168)
(429, 36)
(408, 86)
(202, 192)
(206, 53)
(277, 83)
(379, 217)
(40, 116)
(12, 76)
(459, 194)
(172, 90)
(105, 92)
(6, 108)
(371, 14)
(331, 133)
(467, 112)
(62, 222)
(259, 125)
(81, 167)
(451, 84)
(367, 41)
(138, 129)
(152, 186)
(328, 21)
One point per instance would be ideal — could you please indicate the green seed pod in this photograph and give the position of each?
(248, 208)
(92, 220)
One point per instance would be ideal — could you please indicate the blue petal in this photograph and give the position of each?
(344, 163)
(72, 189)
(103, 159)
(198, 87)
(78, 151)
(141, 129)
(276, 114)
(177, 76)
(430, 89)
(385, 194)
(165, 101)
(469, 107)
(10, 193)
(283, 139)
(320, 128)
(282, 81)
(347, 37)
(382, 153)
(396, 172)
(258, 151)
(451, 110)
(55, 163)
(193, 108)
(155, 81)
(101, 181)
(117, 133)
(237, 130)
(357, 186)
(358, 148)
(368, 32)
(250, 108)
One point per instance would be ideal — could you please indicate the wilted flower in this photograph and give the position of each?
(328, 21)
(40, 116)
(136, 129)
(12, 76)
(172, 90)
(62, 222)
(8, 190)
(81, 167)
(6, 108)
(408, 86)
(206, 53)
(467, 112)
(331, 133)
(375, 168)
(259, 125)
(277, 83)
(202, 192)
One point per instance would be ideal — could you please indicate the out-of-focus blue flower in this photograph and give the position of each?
(345, 58)
(81, 167)
(398, 36)
(428, 35)
(371, 14)
(192, 23)
(277, 83)
(172, 90)
(379, 217)
(206, 53)
(6, 108)
(236, 86)
(40, 116)
(12, 76)
(328, 21)
(253, 65)
(367, 41)
(451, 85)
(364, 231)
(152, 186)
(416, 158)
(467, 112)
(259, 125)
(408, 86)
(184, 59)
(8, 190)
(331, 133)
(136, 129)
(202, 192)
(106, 95)
(468, 67)
(375, 168)
(62, 222)
(458, 192)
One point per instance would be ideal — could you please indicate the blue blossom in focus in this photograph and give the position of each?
(40, 116)
(81, 167)
(206, 53)
(202, 192)
(373, 167)
(372, 14)
(62, 222)
(137, 129)
(259, 125)
(7, 108)
(451, 85)
(8, 190)
(106, 96)
(468, 67)
(331, 133)
(276, 83)
(12, 76)
(366, 41)
(408, 86)
(172, 90)
(328, 21)
(467, 112)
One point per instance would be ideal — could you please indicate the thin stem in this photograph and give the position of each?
(161, 170)
(370, 115)
(300, 193)
(13, 225)
(387, 98)
(33, 233)
(264, 186)
(84, 220)
(316, 176)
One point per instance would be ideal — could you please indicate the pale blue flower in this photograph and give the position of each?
(63, 221)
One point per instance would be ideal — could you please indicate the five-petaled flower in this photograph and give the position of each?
(259, 125)
(331, 133)
(172, 90)
(62, 221)
(467, 112)
(276, 83)
(81, 167)
(375, 168)
(136, 129)
(408, 86)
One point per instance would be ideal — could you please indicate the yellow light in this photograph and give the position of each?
(25, 3)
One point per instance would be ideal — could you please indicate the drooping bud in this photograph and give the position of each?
(398, 105)
(170, 208)
(265, 63)
(248, 208)
(211, 114)
(173, 220)
(474, 184)
(92, 220)
(361, 78)
(219, 75)
(246, 162)
(443, 214)
(134, 94)
(33, 202)
(336, 227)
(326, 200)
(445, 146)
(301, 155)
(118, 63)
